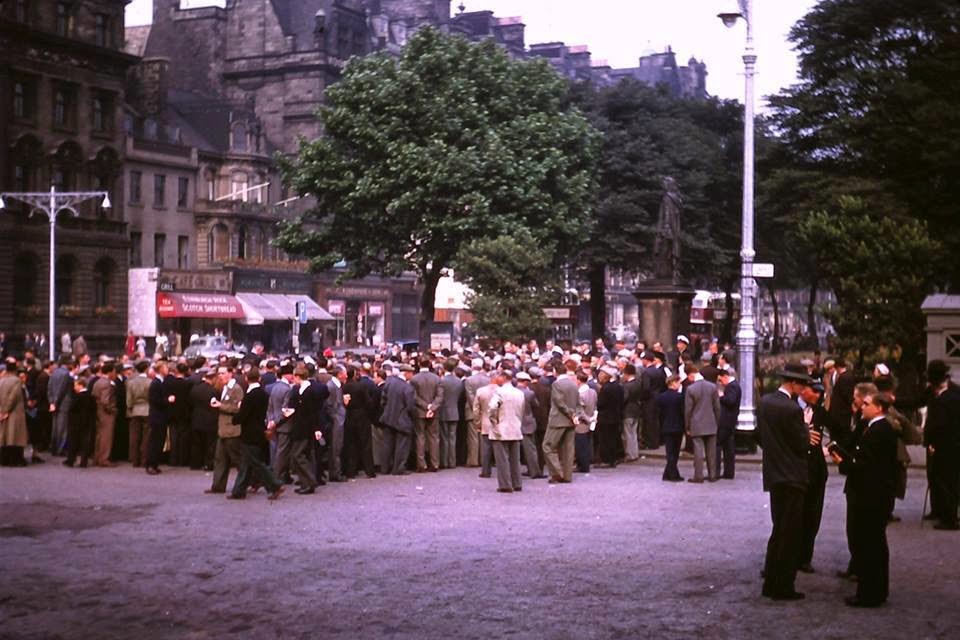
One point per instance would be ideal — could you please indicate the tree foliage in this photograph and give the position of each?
(879, 100)
(510, 282)
(880, 266)
(451, 142)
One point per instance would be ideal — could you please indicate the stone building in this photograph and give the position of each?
(62, 90)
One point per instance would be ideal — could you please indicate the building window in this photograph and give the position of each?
(26, 273)
(19, 100)
(21, 10)
(183, 252)
(159, 187)
(64, 19)
(239, 187)
(159, 249)
(211, 188)
(136, 251)
(183, 188)
(218, 244)
(98, 115)
(102, 113)
(238, 137)
(58, 178)
(60, 108)
(135, 179)
(65, 277)
(20, 182)
(101, 30)
(102, 281)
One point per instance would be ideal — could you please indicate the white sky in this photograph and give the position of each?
(619, 31)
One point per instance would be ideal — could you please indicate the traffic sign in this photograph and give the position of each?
(302, 311)
(762, 270)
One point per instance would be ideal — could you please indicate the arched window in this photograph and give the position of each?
(238, 135)
(66, 277)
(218, 243)
(102, 282)
(242, 239)
(26, 268)
(98, 120)
(238, 187)
(60, 108)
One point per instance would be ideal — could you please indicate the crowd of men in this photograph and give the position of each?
(318, 419)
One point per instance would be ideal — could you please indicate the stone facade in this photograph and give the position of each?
(62, 92)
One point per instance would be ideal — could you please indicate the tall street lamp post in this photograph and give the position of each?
(746, 333)
(52, 204)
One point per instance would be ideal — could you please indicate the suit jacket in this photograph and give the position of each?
(334, 410)
(943, 423)
(470, 386)
(159, 410)
(13, 430)
(610, 404)
(729, 407)
(506, 414)
(653, 382)
(564, 403)
(670, 411)
(840, 408)
(632, 402)
(138, 396)
(872, 471)
(252, 416)
(360, 410)
(710, 373)
(307, 405)
(203, 417)
(481, 408)
(588, 407)
(530, 407)
(428, 392)
(541, 411)
(180, 389)
(701, 408)
(452, 388)
(398, 405)
(784, 438)
(279, 394)
(105, 393)
(60, 389)
(230, 398)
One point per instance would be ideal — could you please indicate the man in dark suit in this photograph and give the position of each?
(871, 469)
(653, 382)
(357, 447)
(609, 416)
(839, 404)
(730, 394)
(541, 411)
(942, 439)
(203, 422)
(158, 418)
(180, 430)
(449, 415)
(252, 418)
(429, 397)
(303, 411)
(816, 419)
(398, 408)
(784, 439)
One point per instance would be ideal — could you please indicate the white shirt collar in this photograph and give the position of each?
(252, 386)
(877, 419)
(785, 392)
(303, 385)
(335, 380)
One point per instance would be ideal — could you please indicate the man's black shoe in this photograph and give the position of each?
(947, 527)
(305, 492)
(854, 601)
(792, 595)
(806, 568)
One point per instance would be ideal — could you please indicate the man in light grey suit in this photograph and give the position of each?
(429, 397)
(398, 406)
(59, 391)
(452, 388)
(529, 426)
(280, 446)
(565, 411)
(337, 413)
(701, 413)
(506, 431)
(471, 385)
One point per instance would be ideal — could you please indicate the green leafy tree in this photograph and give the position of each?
(452, 141)
(649, 134)
(880, 267)
(511, 282)
(879, 100)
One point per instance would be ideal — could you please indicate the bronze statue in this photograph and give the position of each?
(666, 248)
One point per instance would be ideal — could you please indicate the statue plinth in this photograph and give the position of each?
(664, 310)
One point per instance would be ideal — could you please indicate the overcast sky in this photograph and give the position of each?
(619, 31)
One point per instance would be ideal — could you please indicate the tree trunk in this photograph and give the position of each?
(428, 305)
(726, 330)
(775, 344)
(812, 314)
(598, 301)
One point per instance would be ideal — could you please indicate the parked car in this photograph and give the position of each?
(213, 347)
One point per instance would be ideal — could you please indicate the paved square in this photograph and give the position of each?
(617, 554)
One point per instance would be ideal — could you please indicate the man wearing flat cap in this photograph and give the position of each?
(785, 440)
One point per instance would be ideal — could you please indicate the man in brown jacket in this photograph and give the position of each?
(229, 446)
(105, 394)
(137, 391)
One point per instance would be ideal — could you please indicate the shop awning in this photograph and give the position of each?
(287, 304)
(257, 309)
(198, 305)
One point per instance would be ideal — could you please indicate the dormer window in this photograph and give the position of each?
(238, 137)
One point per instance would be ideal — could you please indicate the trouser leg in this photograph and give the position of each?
(503, 464)
(376, 444)
(710, 445)
(486, 455)
(812, 514)
(530, 455)
(301, 463)
(698, 455)
(448, 444)
(402, 452)
(631, 446)
(873, 554)
(158, 434)
(473, 445)
(513, 453)
(583, 451)
(104, 441)
(566, 453)
(221, 467)
(551, 451)
(420, 433)
(138, 427)
(432, 428)
(783, 547)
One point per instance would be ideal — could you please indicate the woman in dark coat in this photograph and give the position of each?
(670, 410)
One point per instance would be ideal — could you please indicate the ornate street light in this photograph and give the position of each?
(746, 332)
(52, 204)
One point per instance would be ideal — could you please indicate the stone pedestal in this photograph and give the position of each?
(664, 311)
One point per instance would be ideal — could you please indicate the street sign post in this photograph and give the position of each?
(302, 311)
(762, 270)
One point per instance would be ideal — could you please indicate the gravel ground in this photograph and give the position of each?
(94, 553)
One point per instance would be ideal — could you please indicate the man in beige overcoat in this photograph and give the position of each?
(13, 419)
(105, 394)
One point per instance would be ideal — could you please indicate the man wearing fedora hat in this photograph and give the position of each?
(785, 439)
